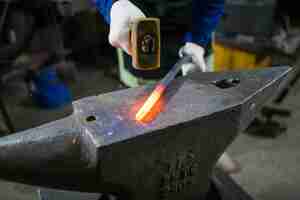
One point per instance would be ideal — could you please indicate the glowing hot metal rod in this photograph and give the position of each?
(160, 89)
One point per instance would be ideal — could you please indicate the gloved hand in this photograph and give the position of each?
(197, 54)
(122, 14)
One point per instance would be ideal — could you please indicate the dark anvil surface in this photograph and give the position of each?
(101, 148)
(195, 117)
(185, 100)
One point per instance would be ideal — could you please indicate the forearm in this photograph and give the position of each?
(206, 15)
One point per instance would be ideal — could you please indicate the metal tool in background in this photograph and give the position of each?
(102, 148)
(266, 126)
(145, 43)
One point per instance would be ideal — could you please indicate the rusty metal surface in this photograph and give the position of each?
(101, 148)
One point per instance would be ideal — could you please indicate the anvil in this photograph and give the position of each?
(101, 148)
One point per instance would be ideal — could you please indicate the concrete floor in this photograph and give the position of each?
(270, 166)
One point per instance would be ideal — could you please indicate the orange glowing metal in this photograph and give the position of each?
(150, 102)
(160, 89)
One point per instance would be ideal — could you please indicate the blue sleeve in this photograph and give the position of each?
(104, 7)
(206, 15)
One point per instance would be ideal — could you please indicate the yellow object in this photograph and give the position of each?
(227, 58)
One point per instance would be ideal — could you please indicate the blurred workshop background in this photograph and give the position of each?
(67, 41)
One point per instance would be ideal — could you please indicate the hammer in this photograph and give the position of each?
(145, 41)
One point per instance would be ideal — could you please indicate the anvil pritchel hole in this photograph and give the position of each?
(91, 118)
(227, 83)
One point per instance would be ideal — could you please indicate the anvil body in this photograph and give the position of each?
(101, 148)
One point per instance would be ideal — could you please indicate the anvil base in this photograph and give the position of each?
(223, 187)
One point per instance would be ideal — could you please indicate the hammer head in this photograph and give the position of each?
(145, 43)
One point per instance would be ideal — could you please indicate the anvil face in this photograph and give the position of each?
(169, 157)
(110, 118)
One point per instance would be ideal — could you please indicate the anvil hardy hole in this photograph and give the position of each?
(227, 83)
(91, 118)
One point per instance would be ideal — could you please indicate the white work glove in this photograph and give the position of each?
(197, 54)
(123, 13)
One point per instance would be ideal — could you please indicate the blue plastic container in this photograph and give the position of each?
(48, 91)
